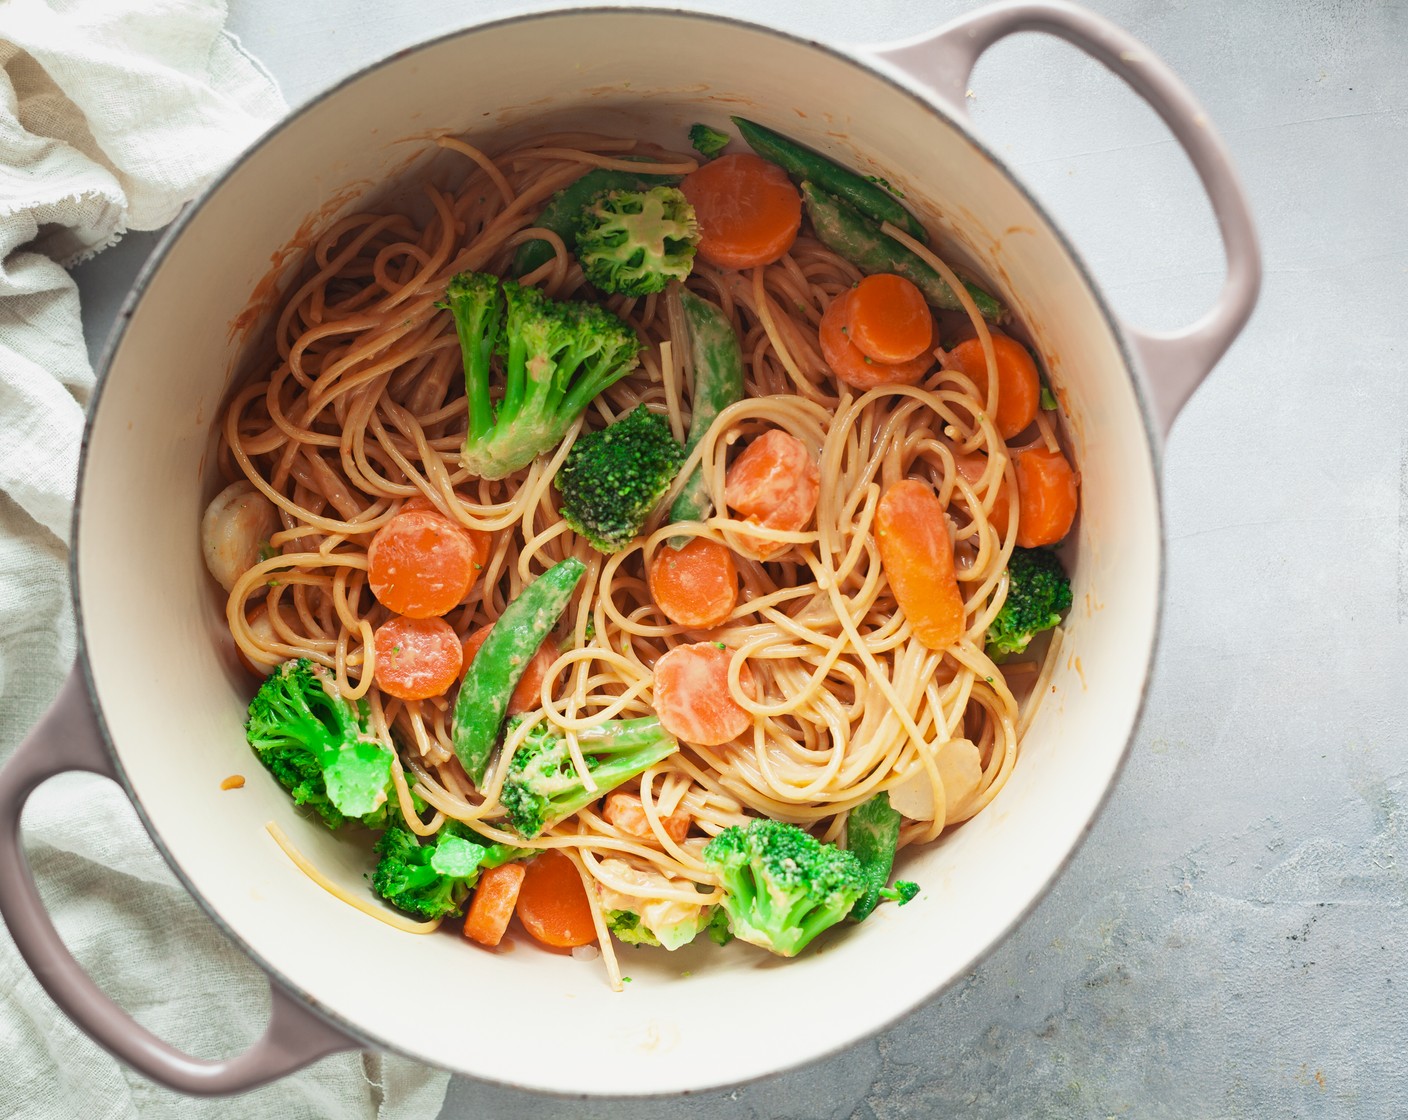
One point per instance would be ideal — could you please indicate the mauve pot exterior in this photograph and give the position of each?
(152, 622)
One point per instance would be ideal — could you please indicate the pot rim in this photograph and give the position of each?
(903, 84)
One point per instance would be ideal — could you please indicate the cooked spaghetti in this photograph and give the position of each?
(362, 409)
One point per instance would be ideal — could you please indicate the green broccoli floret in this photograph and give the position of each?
(684, 925)
(1038, 591)
(782, 886)
(543, 786)
(556, 358)
(317, 746)
(903, 891)
(495, 853)
(708, 142)
(718, 930)
(635, 242)
(613, 478)
(430, 878)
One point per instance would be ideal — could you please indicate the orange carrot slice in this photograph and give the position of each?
(1046, 497)
(888, 319)
(1018, 385)
(695, 586)
(491, 908)
(775, 484)
(420, 564)
(748, 210)
(416, 658)
(850, 363)
(692, 696)
(916, 553)
(552, 903)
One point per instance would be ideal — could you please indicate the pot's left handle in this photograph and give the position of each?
(68, 738)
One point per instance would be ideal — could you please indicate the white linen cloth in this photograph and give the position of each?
(113, 114)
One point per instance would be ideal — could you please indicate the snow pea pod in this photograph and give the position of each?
(566, 206)
(717, 360)
(846, 231)
(801, 163)
(501, 661)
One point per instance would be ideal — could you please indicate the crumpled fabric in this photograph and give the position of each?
(113, 115)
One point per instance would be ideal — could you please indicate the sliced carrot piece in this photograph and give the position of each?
(420, 564)
(624, 811)
(491, 908)
(972, 468)
(552, 903)
(850, 364)
(748, 210)
(1047, 495)
(774, 484)
(416, 658)
(692, 696)
(888, 319)
(1018, 385)
(483, 540)
(529, 690)
(911, 529)
(695, 586)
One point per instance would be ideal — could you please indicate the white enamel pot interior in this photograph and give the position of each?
(171, 696)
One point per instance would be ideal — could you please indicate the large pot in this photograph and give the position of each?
(153, 631)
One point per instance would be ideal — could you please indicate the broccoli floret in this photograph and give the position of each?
(903, 891)
(556, 358)
(1038, 591)
(316, 745)
(708, 142)
(635, 242)
(613, 478)
(782, 886)
(718, 929)
(495, 853)
(679, 929)
(430, 878)
(543, 786)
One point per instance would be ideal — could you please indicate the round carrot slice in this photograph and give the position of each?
(1046, 497)
(692, 696)
(748, 210)
(553, 904)
(420, 564)
(695, 586)
(888, 319)
(529, 690)
(416, 658)
(916, 553)
(1018, 384)
(850, 364)
(972, 468)
(774, 484)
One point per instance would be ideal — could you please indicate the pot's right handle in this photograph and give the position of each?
(1175, 362)
(68, 738)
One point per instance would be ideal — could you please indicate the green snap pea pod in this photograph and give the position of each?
(565, 207)
(717, 360)
(801, 163)
(842, 229)
(501, 661)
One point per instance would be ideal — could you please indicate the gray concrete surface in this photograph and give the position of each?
(1229, 943)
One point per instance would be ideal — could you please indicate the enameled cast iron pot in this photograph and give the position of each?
(155, 630)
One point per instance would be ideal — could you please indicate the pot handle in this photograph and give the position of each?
(1175, 363)
(68, 738)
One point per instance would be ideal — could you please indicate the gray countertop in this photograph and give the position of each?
(1229, 940)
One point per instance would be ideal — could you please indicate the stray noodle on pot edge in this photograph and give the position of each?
(361, 418)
